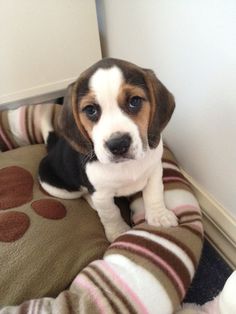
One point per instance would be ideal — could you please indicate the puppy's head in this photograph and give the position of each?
(116, 109)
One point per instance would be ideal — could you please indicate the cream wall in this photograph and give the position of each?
(191, 45)
(44, 45)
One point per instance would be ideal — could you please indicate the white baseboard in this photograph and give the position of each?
(219, 225)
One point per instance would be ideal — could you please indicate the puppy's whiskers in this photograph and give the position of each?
(87, 157)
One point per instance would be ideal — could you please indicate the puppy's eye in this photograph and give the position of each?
(135, 104)
(92, 112)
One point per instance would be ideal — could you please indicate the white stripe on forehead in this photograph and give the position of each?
(105, 83)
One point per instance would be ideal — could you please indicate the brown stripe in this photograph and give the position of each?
(32, 124)
(26, 124)
(168, 161)
(144, 260)
(104, 293)
(168, 172)
(168, 186)
(177, 181)
(3, 146)
(173, 239)
(37, 123)
(69, 303)
(189, 221)
(170, 258)
(182, 216)
(7, 128)
(193, 230)
(40, 305)
(114, 290)
(24, 307)
(140, 222)
(190, 213)
(157, 272)
(135, 196)
(3, 121)
(33, 306)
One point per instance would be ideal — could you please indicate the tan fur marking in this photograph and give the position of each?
(77, 115)
(87, 124)
(85, 101)
(142, 120)
(128, 91)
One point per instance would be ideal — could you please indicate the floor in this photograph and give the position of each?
(210, 276)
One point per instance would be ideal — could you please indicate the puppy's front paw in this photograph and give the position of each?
(162, 218)
(114, 230)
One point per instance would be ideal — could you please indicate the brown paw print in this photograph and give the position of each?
(49, 208)
(16, 189)
(13, 225)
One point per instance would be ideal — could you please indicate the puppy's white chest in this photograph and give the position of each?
(122, 179)
(131, 187)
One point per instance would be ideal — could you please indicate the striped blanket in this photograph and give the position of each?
(145, 270)
(25, 125)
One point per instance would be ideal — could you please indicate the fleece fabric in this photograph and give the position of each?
(54, 256)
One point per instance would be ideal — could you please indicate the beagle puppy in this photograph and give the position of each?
(108, 143)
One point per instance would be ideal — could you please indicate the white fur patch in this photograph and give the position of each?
(106, 84)
(62, 193)
(126, 178)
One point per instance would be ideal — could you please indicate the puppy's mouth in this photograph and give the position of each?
(121, 159)
(109, 158)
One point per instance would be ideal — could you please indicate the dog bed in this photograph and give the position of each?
(54, 255)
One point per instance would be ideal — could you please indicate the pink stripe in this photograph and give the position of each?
(156, 258)
(33, 305)
(22, 124)
(122, 285)
(9, 145)
(169, 179)
(83, 282)
(184, 208)
(138, 217)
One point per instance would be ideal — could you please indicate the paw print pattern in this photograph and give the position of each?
(49, 208)
(16, 189)
(13, 225)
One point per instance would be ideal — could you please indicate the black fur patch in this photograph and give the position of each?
(64, 167)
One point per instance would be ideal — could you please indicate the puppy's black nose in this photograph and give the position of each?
(119, 144)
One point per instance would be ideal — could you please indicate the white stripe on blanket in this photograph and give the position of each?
(145, 285)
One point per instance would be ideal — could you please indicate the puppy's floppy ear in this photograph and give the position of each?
(162, 107)
(69, 124)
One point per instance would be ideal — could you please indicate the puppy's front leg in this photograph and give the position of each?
(109, 214)
(156, 213)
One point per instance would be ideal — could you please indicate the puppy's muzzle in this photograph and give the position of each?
(119, 144)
